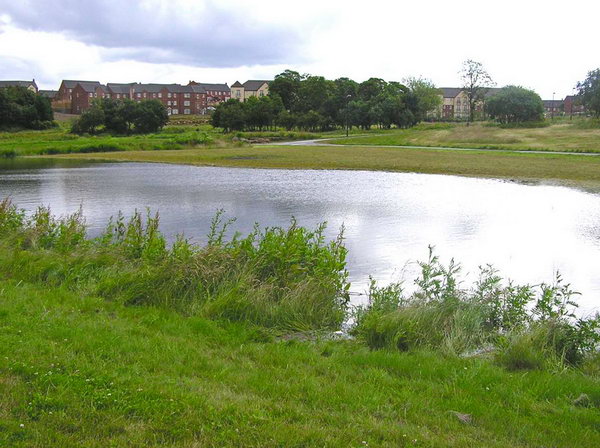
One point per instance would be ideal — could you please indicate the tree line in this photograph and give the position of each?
(22, 108)
(122, 117)
(311, 103)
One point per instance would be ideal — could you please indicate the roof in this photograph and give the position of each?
(552, 103)
(119, 88)
(217, 87)
(254, 84)
(197, 88)
(237, 84)
(89, 86)
(48, 93)
(18, 84)
(71, 83)
(453, 92)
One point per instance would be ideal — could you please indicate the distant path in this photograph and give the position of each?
(323, 142)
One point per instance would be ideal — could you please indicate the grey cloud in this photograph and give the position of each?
(218, 37)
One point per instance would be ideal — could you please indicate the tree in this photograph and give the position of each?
(90, 121)
(429, 97)
(476, 83)
(230, 115)
(589, 92)
(151, 116)
(23, 108)
(286, 85)
(513, 104)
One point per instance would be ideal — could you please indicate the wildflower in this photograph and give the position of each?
(22, 425)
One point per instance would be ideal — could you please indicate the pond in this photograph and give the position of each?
(528, 232)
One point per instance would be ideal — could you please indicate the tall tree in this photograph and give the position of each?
(428, 96)
(514, 104)
(589, 92)
(476, 83)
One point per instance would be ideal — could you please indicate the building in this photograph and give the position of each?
(84, 93)
(256, 88)
(455, 103)
(553, 107)
(63, 99)
(572, 106)
(50, 94)
(31, 85)
(215, 93)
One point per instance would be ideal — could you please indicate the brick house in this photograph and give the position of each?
(553, 107)
(250, 88)
(63, 99)
(30, 85)
(572, 106)
(215, 93)
(84, 93)
(178, 99)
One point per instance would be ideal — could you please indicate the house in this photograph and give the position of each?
(250, 88)
(118, 91)
(455, 103)
(64, 96)
(84, 93)
(178, 99)
(572, 106)
(31, 85)
(50, 94)
(215, 93)
(553, 107)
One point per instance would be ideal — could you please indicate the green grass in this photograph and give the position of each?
(84, 362)
(571, 168)
(76, 370)
(174, 136)
(576, 136)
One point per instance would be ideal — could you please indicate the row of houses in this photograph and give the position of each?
(195, 98)
(455, 104)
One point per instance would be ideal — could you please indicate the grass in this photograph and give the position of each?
(84, 362)
(569, 168)
(576, 136)
(180, 134)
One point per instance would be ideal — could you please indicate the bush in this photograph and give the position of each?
(513, 104)
(22, 108)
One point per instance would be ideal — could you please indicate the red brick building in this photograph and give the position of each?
(572, 106)
(84, 93)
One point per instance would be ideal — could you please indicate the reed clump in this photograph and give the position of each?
(521, 326)
(286, 278)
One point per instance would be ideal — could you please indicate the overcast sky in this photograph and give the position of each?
(544, 45)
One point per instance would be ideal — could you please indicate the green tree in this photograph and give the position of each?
(476, 84)
(589, 92)
(287, 85)
(20, 107)
(230, 116)
(514, 104)
(90, 121)
(429, 97)
(151, 116)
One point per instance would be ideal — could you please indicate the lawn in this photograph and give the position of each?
(76, 370)
(563, 136)
(467, 163)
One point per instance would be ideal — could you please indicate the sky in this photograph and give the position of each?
(544, 45)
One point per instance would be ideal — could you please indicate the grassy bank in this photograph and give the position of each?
(174, 136)
(465, 163)
(564, 136)
(126, 341)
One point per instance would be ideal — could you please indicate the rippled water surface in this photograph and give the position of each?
(526, 231)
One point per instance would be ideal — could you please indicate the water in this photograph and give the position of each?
(526, 231)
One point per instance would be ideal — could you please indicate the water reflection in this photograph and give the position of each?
(526, 231)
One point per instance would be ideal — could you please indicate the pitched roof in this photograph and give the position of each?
(71, 83)
(254, 84)
(156, 88)
(197, 88)
(552, 103)
(48, 93)
(90, 86)
(237, 84)
(119, 88)
(217, 87)
(453, 92)
(18, 84)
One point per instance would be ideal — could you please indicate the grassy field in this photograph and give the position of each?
(76, 370)
(465, 163)
(574, 136)
(122, 342)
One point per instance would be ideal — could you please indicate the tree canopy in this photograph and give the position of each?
(589, 92)
(514, 104)
(310, 102)
(20, 107)
(122, 117)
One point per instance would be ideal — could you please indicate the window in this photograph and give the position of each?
(118, 95)
(169, 95)
(186, 111)
(168, 103)
(174, 103)
(144, 94)
(139, 95)
(175, 111)
(91, 94)
(186, 103)
(154, 95)
(197, 95)
(160, 95)
(186, 95)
